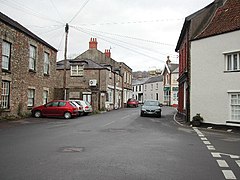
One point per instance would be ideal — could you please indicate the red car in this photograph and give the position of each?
(56, 108)
(132, 103)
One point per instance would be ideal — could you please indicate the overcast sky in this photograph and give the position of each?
(141, 33)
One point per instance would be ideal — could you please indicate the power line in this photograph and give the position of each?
(84, 4)
(92, 34)
(132, 22)
(24, 9)
(124, 36)
(59, 15)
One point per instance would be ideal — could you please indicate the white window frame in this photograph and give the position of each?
(77, 70)
(46, 66)
(32, 57)
(31, 97)
(45, 96)
(5, 95)
(6, 55)
(232, 61)
(234, 106)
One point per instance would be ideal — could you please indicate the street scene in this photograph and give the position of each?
(117, 145)
(125, 90)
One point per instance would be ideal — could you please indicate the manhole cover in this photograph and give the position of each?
(71, 149)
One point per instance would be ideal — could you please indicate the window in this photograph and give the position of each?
(77, 70)
(31, 96)
(156, 86)
(235, 106)
(109, 97)
(52, 104)
(140, 87)
(46, 64)
(32, 58)
(157, 96)
(5, 96)
(6, 54)
(151, 87)
(233, 62)
(45, 97)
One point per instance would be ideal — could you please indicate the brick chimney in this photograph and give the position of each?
(107, 53)
(93, 43)
(168, 60)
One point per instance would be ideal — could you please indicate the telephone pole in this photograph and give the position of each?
(65, 63)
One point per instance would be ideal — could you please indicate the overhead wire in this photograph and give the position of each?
(84, 4)
(24, 9)
(124, 36)
(58, 13)
(133, 50)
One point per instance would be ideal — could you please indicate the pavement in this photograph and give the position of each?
(179, 119)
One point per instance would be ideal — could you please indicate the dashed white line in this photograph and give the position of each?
(204, 139)
(238, 162)
(222, 163)
(206, 142)
(212, 148)
(216, 155)
(228, 174)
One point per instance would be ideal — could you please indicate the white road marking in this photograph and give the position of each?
(216, 154)
(204, 139)
(125, 117)
(206, 142)
(222, 163)
(212, 148)
(108, 123)
(238, 162)
(229, 174)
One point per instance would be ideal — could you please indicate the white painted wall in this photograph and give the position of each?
(150, 90)
(209, 83)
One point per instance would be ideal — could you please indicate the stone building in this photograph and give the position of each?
(105, 59)
(90, 81)
(28, 69)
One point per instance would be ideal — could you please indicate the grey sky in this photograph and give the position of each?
(140, 33)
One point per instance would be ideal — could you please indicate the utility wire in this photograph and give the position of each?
(84, 4)
(24, 9)
(51, 30)
(137, 52)
(139, 39)
(59, 15)
(132, 22)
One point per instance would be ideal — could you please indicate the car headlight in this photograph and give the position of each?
(143, 109)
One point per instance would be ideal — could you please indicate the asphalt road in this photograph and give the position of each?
(116, 145)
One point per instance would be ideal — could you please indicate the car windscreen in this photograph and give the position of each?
(151, 103)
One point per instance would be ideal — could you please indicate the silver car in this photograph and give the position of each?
(87, 108)
(151, 108)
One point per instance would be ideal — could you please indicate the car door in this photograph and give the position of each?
(50, 109)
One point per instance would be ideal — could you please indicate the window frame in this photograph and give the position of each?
(79, 71)
(31, 97)
(236, 105)
(46, 64)
(45, 98)
(6, 56)
(232, 61)
(32, 58)
(5, 98)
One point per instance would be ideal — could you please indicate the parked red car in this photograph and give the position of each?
(56, 108)
(132, 103)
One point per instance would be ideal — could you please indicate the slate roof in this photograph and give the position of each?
(226, 19)
(14, 24)
(139, 81)
(88, 64)
(154, 79)
(172, 67)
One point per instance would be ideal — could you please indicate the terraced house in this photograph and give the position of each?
(28, 66)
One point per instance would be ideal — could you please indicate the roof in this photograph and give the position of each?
(139, 81)
(172, 67)
(88, 64)
(154, 79)
(226, 19)
(10, 22)
(196, 22)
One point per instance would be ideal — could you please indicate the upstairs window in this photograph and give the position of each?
(232, 62)
(46, 67)
(6, 55)
(77, 70)
(32, 58)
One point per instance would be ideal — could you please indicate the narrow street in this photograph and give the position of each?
(117, 145)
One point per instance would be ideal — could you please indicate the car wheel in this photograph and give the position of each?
(67, 115)
(37, 114)
(141, 114)
(160, 115)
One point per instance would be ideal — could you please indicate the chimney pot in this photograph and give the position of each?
(93, 43)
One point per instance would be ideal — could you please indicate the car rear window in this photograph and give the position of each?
(72, 104)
